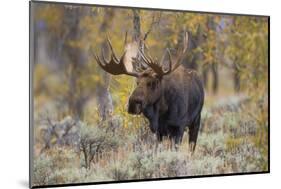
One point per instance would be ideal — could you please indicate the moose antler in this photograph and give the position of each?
(157, 67)
(117, 66)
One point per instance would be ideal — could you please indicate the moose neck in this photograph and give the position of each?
(158, 107)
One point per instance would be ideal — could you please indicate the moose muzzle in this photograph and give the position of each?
(136, 103)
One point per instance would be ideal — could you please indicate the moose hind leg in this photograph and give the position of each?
(193, 133)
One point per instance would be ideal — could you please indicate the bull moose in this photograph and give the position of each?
(170, 98)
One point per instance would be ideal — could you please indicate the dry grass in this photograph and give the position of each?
(229, 142)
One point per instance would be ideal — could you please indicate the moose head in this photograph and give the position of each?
(149, 76)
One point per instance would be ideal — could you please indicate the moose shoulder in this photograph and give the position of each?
(171, 100)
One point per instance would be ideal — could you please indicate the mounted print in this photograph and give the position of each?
(122, 94)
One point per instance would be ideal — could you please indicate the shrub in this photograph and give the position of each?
(142, 163)
(42, 170)
(50, 165)
(121, 171)
(95, 140)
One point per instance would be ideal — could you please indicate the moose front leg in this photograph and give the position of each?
(152, 114)
(175, 134)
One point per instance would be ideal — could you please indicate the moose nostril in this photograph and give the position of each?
(136, 100)
(135, 106)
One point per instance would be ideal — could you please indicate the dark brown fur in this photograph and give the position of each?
(170, 103)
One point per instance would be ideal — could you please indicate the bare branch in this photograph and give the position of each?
(153, 23)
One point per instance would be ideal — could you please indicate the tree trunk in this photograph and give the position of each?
(104, 99)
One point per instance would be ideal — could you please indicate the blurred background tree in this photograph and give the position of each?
(69, 82)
